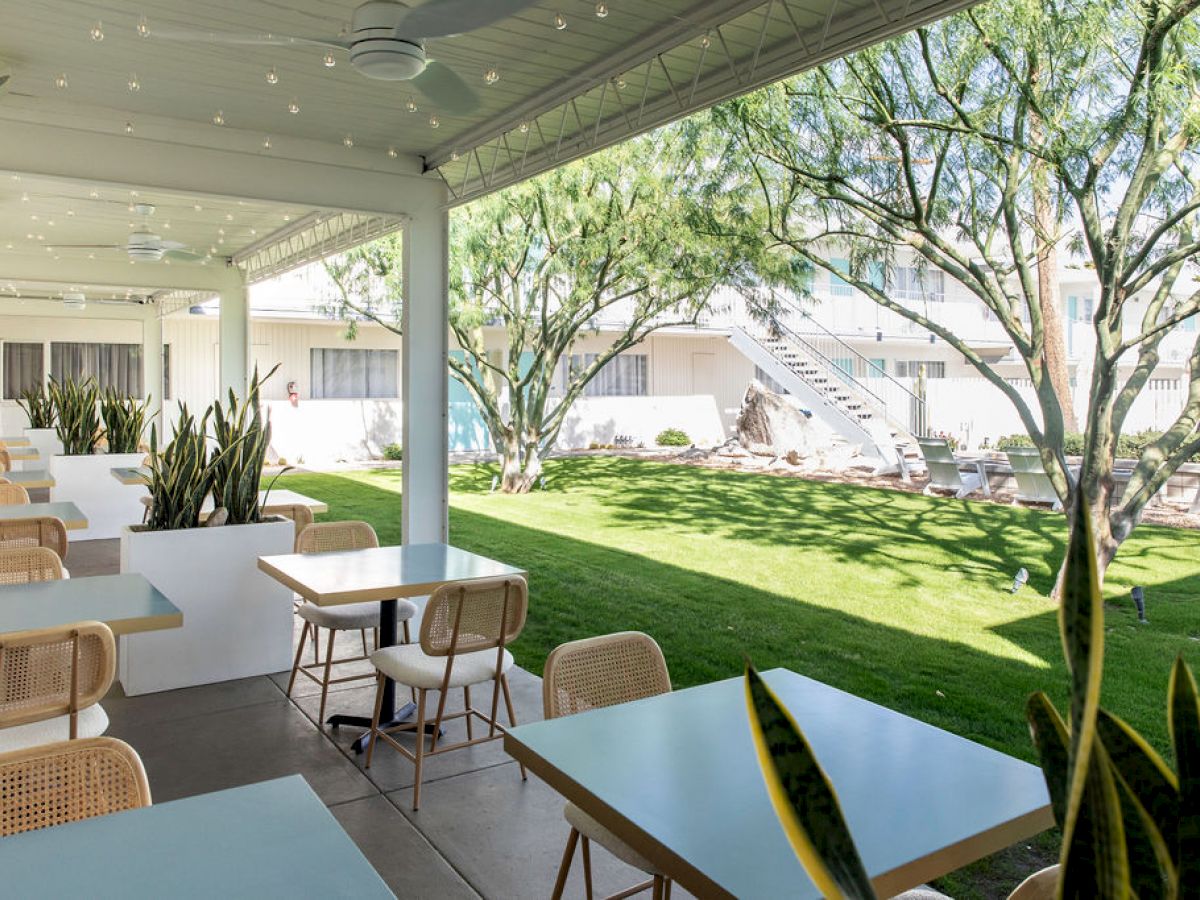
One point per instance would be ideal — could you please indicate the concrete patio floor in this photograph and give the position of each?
(481, 830)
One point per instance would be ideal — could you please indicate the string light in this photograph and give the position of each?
(97, 32)
(219, 118)
(453, 156)
(329, 59)
(491, 76)
(129, 128)
(559, 22)
(619, 83)
(392, 153)
(143, 27)
(434, 122)
(294, 107)
(348, 141)
(266, 145)
(133, 83)
(411, 105)
(601, 10)
(705, 42)
(272, 76)
(523, 128)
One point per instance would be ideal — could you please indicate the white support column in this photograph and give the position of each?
(425, 324)
(152, 372)
(234, 333)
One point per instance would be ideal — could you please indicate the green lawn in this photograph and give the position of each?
(895, 597)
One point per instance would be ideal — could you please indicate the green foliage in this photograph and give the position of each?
(75, 408)
(673, 437)
(124, 421)
(242, 438)
(393, 451)
(182, 475)
(1128, 446)
(38, 408)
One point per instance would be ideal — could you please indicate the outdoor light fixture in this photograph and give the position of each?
(1139, 600)
(878, 334)
(1020, 579)
(932, 337)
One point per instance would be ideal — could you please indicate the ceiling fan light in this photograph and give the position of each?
(388, 59)
(74, 300)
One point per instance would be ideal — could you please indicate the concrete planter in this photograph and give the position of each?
(237, 622)
(87, 482)
(45, 441)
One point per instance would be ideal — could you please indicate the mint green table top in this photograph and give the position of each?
(72, 518)
(272, 839)
(379, 573)
(12, 440)
(23, 454)
(677, 779)
(126, 603)
(30, 478)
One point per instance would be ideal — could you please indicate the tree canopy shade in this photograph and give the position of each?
(618, 239)
(942, 144)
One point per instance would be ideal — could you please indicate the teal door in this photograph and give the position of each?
(467, 429)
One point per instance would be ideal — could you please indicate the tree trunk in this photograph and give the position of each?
(519, 471)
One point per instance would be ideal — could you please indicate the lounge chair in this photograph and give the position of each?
(945, 473)
(1033, 484)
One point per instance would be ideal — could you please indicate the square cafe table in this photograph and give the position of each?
(12, 440)
(272, 839)
(383, 574)
(23, 454)
(72, 518)
(125, 603)
(30, 478)
(677, 779)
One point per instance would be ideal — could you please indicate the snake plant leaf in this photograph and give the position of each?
(1081, 623)
(1095, 860)
(803, 798)
(1144, 850)
(1183, 720)
(1151, 785)
(1053, 746)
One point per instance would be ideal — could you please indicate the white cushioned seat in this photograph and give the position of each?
(407, 664)
(594, 831)
(92, 722)
(352, 616)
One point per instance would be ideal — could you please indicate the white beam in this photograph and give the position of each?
(234, 329)
(147, 276)
(425, 323)
(152, 371)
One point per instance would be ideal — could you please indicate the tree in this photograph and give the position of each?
(964, 143)
(617, 239)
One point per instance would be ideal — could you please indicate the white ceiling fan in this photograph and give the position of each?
(386, 42)
(143, 245)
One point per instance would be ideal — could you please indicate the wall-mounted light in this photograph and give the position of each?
(878, 334)
(932, 338)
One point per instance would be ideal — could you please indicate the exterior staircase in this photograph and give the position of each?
(877, 413)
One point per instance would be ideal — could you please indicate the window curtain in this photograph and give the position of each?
(625, 375)
(117, 366)
(354, 374)
(22, 368)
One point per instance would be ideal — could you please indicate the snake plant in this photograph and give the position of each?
(124, 420)
(75, 405)
(38, 408)
(242, 439)
(181, 476)
(1130, 822)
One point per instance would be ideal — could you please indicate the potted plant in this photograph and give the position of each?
(237, 622)
(83, 475)
(41, 432)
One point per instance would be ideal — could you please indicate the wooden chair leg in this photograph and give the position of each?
(420, 735)
(667, 888)
(587, 867)
(467, 707)
(375, 719)
(407, 634)
(316, 645)
(512, 717)
(363, 632)
(657, 890)
(325, 680)
(296, 663)
(564, 868)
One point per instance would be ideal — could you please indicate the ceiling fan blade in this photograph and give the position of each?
(171, 245)
(441, 18)
(446, 89)
(183, 255)
(197, 36)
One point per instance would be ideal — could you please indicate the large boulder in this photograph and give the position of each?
(769, 424)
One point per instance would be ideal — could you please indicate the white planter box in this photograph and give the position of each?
(87, 481)
(46, 442)
(237, 621)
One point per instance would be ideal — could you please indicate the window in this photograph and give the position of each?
(877, 367)
(166, 372)
(768, 382)
(117, 366)
(909, 283)
(354, 374)
(837, 286)
(1080, 309)
(23, 368)
(625, 375)
(910, 368)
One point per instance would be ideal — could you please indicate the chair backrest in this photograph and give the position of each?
(1032, 481)
(21, 565)
(939, 460)
(300, 514)
(325, 537)
(602, 671)
(52, 784)
(13, 495)
(4, 480)
(48, 672)
(35, 531)
(475, 615)
(5, 460)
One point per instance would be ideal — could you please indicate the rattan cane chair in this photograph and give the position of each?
(67, 781)
(34, 531)
(5, 460)
(13, 495)
(465, 633)
(4, 480)
(325, 537)
(51, 683)
(590, 674)
(21, 565)
(300, 514)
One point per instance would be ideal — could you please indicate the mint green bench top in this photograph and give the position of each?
(272, 839)
(677, 779)
(72, 517)
(125, 603)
